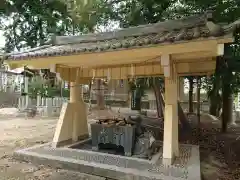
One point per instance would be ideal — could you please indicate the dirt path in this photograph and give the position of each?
(18, 133)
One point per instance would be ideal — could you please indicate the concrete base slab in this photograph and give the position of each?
(185, 167)
(72, 175)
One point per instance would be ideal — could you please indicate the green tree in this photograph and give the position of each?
(137, 12)
(190, 93)
(30, 23)
(224, 81)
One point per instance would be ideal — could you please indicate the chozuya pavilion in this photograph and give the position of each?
(170, 49)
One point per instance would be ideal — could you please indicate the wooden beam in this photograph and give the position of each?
(125, 71)
(192, 56)
(125, 56)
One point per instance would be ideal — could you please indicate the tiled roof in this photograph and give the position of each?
(171, 31)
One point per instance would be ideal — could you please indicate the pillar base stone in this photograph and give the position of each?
(167, 161)
(67, 124)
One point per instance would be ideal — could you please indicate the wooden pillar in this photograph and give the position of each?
(198, 99)
(75, 98)
(75, 92)
(170, 141)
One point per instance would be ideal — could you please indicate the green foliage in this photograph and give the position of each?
(40, 86)
(30, 23)
(36, 86)
(137, 12)
(65, 93)
(143, 84)
(91, 13)
(224, 11)
(125, 12)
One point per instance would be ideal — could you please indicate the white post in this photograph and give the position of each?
(49, 104)
(42, 101)
(1, 82)
(20, 103)
(26, 91)
(38, 100)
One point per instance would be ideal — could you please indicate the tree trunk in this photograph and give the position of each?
(190, 94)
(89, 92)
(214, 96)
(162, 102)
(157, 92)
(227, 106)
(213, 106)
(198, 98)
(100, 94)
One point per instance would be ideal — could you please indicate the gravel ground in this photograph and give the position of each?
(219, 153)
(219, 157)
